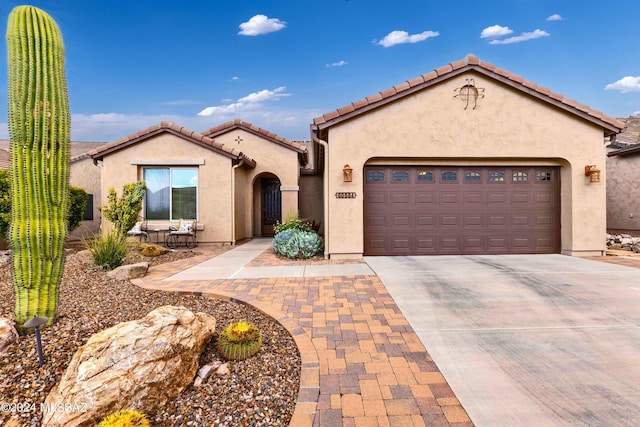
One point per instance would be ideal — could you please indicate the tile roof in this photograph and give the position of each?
(174, 129)
(471, 62)
(79, 149)
(240, 124)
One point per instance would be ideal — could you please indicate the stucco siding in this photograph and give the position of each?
(84, 174)
(506, 127)
(623, 192)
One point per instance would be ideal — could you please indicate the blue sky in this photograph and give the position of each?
(279, 63)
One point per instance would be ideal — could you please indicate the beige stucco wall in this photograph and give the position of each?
(86, 175)
(271, 158)
(311, 201)
(214, 179)
(623, 192)
(432, 127)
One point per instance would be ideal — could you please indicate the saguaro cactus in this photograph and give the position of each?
(39, 125)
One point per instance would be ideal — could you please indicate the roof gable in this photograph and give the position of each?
(610, 125)
(248, 127)
(174, 129)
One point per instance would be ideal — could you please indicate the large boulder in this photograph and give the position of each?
(129, 271)
(139, 365)
(8, 334)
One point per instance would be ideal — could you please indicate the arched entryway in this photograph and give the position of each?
(267, 204)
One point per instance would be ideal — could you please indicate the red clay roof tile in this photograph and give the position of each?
(458, 64)
(445, 69)
(429, 76)
(401, 87)
(415, 81)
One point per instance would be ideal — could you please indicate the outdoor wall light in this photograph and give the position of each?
(347, 173)
(35, 322)
(592, 172)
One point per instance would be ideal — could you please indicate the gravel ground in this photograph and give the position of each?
(260, 391)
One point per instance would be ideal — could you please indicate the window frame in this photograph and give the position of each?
(170, 169)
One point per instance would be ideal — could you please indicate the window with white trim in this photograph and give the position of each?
(172, 193)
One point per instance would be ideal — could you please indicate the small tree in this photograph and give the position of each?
(123, 212)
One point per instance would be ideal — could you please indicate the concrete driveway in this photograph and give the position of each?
(527, 340)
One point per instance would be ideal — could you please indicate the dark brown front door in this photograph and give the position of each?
(461, 210)
(271, 205)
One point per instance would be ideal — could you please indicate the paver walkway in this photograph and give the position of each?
(362, 363)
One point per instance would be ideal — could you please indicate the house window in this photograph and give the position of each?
(520, 176)
(424, 176)
(543, 176)
(375, 176)
(88, 211)
(496, 176)
(401, 176)
(449, 176)
(172, 193)
(472, 177)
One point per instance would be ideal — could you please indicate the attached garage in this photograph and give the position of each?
(461, 210)
(465, 159)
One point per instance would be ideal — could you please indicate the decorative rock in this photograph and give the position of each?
(138, 365)
(8, 334)
(207, 370)
(130, 271)
(223, 369)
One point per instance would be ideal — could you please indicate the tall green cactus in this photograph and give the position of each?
(39, 126)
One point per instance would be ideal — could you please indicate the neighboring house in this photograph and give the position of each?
(466, 159)
(623, 184)
(83, 174)
(211, 177)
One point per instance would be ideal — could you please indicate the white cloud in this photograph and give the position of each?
(337, 64)
(235, 78)
(401, 37)
(4, 131)
(261, 24)
(555, 17)
(522, 37)
(635, 114)
(246, 103)
(625, 85)
(495, 31)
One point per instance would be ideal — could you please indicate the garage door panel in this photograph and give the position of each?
(508, 210)
(449, 198)
(450, 221)
(377, 197)
(425, 221)
(400, 198)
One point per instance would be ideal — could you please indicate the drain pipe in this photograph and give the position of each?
(233, 199)
(325, 190)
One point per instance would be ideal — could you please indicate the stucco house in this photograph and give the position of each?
(623, 181)
(465, 159)
(210, 176)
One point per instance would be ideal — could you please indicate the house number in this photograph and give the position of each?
(346, 195)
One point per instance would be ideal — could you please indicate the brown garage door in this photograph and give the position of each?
(461, 210)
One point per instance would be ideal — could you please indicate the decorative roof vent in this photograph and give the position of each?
(469, 93)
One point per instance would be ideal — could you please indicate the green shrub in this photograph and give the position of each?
(292, 224)
(5, 201)
(125, 418)
(294, 243)
(123, 212)
(109, 250)
(78, 204)
(239, 341)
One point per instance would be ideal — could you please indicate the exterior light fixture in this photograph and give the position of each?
(347, 173)
(35, 322)
(592, 172)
